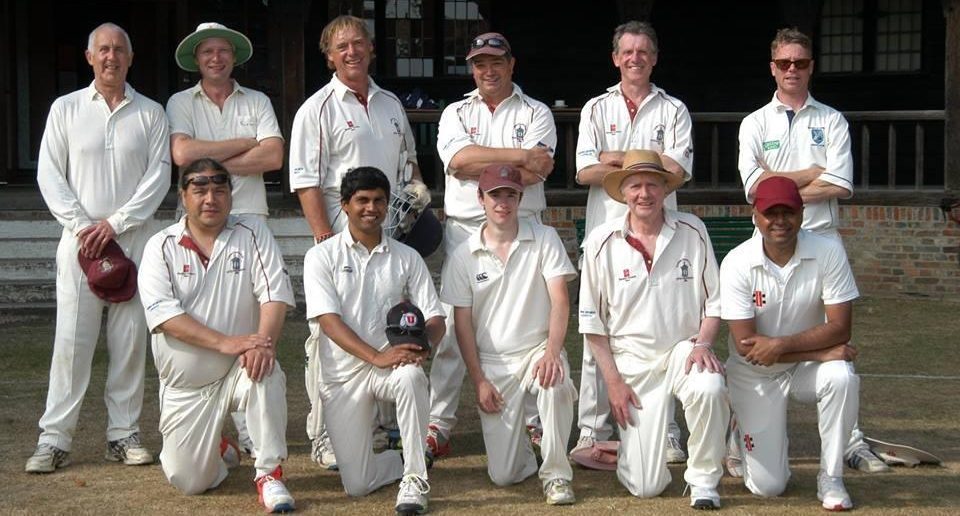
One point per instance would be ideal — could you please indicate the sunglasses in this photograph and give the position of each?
(413, 332)
(784, 64)
(219, 179)
(489, 42)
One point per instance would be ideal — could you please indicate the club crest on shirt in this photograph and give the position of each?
(350, 125)
(658, 134)
(748, 442)
(235, 262)
(627, 275)
(186, 271)
(519, 132)
(482, 276)
(683, 270)
(613, 129)
(396, 126)
(816, 135)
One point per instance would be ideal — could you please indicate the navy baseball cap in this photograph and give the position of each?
(405, 325)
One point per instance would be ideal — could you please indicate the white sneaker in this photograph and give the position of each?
(864, 460)
(832, 493)
(129, 451)
(704, 498)
(412, 496)
(675, 453)
(321, 452)
(585, 442)
(559, 492)
(273, 494)
(46, 459)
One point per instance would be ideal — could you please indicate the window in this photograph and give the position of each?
(870, 36)
(461, 22)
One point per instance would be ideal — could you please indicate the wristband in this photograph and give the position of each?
(707, 345)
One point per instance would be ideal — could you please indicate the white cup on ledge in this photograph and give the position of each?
(559, 103)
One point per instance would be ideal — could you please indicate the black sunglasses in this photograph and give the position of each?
(784, 64)
(489, 42)
(199, 180)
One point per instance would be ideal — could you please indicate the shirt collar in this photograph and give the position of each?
(342, 89)
(780, 107)
(669, 223)
(475, 242)
(347, 240)
(93, 94)
(618, 89)
(475, 94)
(197, 89)
(805, 249)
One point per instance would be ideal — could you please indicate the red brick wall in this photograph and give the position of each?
(895, 251)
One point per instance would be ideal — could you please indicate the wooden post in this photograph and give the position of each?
(292, 15)
(951, 93)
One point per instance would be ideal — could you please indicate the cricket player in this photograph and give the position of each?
(103, 169)
(649, 308)
(808, 142)
(495, 124)
(634, 114)
(508, 286)
(215, 293)
(351, 281)
(787, 297)
(350, 122)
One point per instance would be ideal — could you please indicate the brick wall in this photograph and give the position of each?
(894, 251)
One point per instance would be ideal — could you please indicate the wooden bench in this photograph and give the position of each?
(727, 233)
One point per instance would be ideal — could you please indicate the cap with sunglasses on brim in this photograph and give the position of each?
(201, 179)
(489, 43)
(405, 325)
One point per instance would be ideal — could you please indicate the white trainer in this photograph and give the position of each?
(129, 451)
(273, 493)
(585, 442)
(559, 492)
(321, 452)
(412, 496)
(704, 498)
(833, 494)
(675, 453)
(46, 459)
(862, 459)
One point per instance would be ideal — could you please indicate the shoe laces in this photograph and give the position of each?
(413, 485)
(673, 442)
(557, 485)
(586, 441)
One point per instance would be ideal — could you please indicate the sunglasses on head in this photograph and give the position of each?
(200, 180)
(784, 64)
(493, 42)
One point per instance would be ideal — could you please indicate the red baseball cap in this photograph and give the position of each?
(500, 176)
(777, 191)
(491, 43)
(111, 277)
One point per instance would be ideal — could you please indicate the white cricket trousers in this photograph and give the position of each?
(510, 457)
(313, 378)
(348, 409)
(760, 403)
(642, 464)
(191, 421)
(79, 314)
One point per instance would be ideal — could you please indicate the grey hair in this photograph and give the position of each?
(637, 28)
(112, 26)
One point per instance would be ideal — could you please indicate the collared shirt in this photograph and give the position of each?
(788, 303)
(519, 122)
(99, 164)
(341, 277)
(662, 124)
(244, 271)
(509, 300)
(246, 113)
(333, 133)
(818, 135)
(645, 314)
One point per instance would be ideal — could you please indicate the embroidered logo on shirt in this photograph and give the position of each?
(627, 275)
(235, 262)
(186, 272)
(519, 131)
(613, 129)
(683, 268)
(347, 269)
(759, 298)
(350, 125)
(748, 442)
(658, 134)
(771, 145)
(396, 126)
(816, 134)
(481, 277)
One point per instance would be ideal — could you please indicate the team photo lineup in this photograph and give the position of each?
(388, 351)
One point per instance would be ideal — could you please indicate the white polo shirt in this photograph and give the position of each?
(662, 124)
(95, 164)
(223, 292)
(510, 302)
(246, 114)
(818, 135)
(340, 277)
(519, 122)
(646, 314)
(789, 301)
(333, 133)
